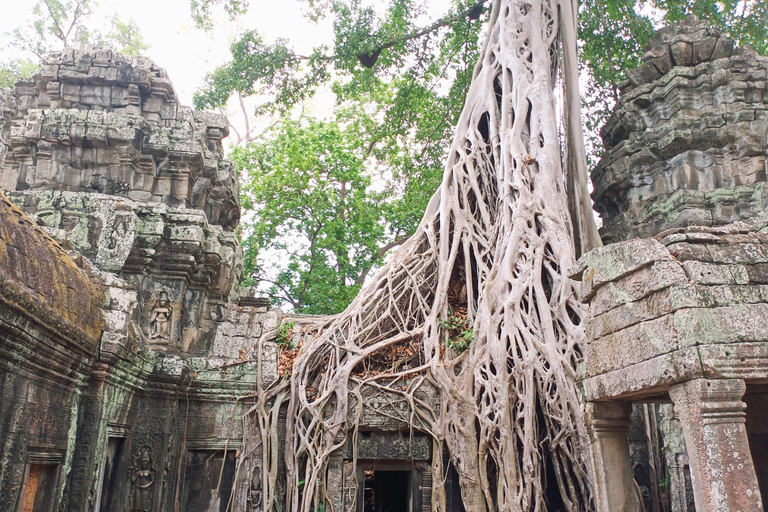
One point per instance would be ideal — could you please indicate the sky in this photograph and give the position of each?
(185, 52)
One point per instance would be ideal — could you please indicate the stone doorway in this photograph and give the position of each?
(40, 488)
(389, 491)
(388, 486)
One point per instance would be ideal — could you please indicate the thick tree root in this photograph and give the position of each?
(494, 247)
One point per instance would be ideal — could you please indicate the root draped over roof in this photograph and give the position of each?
(493, 250)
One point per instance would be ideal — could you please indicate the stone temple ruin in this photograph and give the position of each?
(129, 354)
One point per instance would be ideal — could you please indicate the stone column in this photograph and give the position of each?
(712, 416)
(609, 430)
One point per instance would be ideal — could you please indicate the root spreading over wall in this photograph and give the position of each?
(487, 268)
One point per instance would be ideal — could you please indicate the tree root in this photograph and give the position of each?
(494, 247)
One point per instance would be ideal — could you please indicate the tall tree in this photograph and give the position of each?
(398, 85)
(486, 271)
(315, 214)
(401, 81)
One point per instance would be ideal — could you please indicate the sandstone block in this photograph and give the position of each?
(100, 95)
(707, 273)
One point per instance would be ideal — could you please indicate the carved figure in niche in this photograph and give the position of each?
(160, 321)
(68, 222)
(142, 480)
(119, 232)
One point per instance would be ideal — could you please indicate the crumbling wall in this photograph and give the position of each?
(7, 113)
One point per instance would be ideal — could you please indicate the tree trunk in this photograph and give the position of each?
(494, 247)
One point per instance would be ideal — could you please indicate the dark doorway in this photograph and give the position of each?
(387, 491)
(110, 501)
(756, 399)
(453, 490)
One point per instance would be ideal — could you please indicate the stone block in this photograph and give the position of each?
(107, 156)
(629, 346)
(702, 49)
(651, 307)
(70, 92)
(682, 53)
(614, 261)
(100, 95)
(153, 104)
(121, 133)
(757, 273)
(738, 360)
(97, 135)
(648, 378)
(707, 273)
(732, 324)
(660, 57)
(102, 75)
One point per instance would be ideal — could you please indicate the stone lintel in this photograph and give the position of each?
(611, 262)
(646, 379)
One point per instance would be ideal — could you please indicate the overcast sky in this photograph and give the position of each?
(187, 53)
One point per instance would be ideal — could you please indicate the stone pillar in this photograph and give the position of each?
(712, 416)
(609, 430)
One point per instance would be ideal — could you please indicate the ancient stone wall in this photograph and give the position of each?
(7, 113)
(679, 315)
(688, 142)
(128, 353)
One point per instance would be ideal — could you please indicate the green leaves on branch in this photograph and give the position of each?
(317, 225)
(15, 69)
(269, 70)
(399, 85)
(459, 333)
(284, 336)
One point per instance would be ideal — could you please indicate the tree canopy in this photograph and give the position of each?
(305, 187)
(399, 79)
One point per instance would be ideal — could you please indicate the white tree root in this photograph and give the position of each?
(495, 245)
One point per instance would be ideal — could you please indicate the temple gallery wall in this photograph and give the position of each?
(130, 355)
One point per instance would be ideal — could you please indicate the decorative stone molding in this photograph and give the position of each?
(688, 142)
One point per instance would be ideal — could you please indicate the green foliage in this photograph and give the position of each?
(285, 335)
(124, 37)
(57, 24)
(316, 226)
(15, 69)
(399, 89)
(460, 333)
(399, 84)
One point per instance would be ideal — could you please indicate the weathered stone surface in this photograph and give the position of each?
(40, 278)
(686, 141)
(712, 417)
(116, 326)
(7, 113)
(120, 133)
(612, 262)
